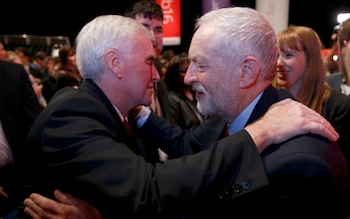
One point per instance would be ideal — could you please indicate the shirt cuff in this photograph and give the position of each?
(142, 116)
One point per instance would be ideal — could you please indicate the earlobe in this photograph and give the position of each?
(250, 72)
(345, 43)
(114, 63)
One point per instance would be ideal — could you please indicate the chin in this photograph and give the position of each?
(201, 109)
(147, 103)
(281, 82)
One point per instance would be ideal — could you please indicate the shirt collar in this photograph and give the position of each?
(241, 120)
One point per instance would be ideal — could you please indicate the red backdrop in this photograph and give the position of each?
(172, 21)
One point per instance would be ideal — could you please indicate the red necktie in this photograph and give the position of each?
(226, 130)
(127, 126)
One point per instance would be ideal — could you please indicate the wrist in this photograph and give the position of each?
(260, 135)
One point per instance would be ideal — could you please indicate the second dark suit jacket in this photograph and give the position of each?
(79, 145)
(337, 111)
(19, 108)
(307, 174)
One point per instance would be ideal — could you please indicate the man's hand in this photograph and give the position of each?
(287, 119)
(68, 207)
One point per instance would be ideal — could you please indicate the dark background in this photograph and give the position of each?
(66, 18)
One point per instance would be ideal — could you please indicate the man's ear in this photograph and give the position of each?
(345, 43)
(250, 71)
(114, 62)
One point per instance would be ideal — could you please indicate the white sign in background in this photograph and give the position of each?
(276, 11)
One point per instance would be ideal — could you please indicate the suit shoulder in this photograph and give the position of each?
(338, 101)
(303, 147)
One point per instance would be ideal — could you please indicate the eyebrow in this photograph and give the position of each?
(149, 27)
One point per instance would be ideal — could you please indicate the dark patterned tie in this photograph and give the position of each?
(127, 127)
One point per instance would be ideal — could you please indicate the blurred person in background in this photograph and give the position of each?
(181, 96)
(40, 62)
(332, 58)
(11, 56)
(340, 81)
(23, 53)
(49, 82)
(66, 70)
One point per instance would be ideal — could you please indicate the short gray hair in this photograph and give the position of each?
(101, 34)
(243, 31)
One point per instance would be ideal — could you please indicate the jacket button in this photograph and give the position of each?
(245, 184)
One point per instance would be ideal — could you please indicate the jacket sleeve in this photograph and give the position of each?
(177, 142)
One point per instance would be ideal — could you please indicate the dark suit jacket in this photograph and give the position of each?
(49, 87)
(79, 145)
(19, 108)
(308, 174)
(337, 111)
(335, 80)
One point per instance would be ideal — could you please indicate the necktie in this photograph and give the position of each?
(226, 130)
(127, 126)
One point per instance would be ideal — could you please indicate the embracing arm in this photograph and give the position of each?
(284, 120)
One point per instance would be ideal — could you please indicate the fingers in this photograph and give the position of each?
(67, 206)
(64, 197)
(316, 123)
(287, 119)
(76, 208)
(32, 209)
(319, 125)
(38, 206)
(31, 213)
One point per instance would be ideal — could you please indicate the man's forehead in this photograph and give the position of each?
(142, 40)
(143, 18)
(150, 14)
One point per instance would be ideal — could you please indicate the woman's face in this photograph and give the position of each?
(291, 66)
(72, 59)
(182, 72)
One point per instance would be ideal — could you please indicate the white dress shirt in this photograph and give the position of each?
(6, 156)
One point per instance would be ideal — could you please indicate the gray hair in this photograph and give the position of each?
(243, 31)
(101, 34)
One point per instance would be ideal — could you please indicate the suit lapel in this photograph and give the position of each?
(92, 89)
(270, 96)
